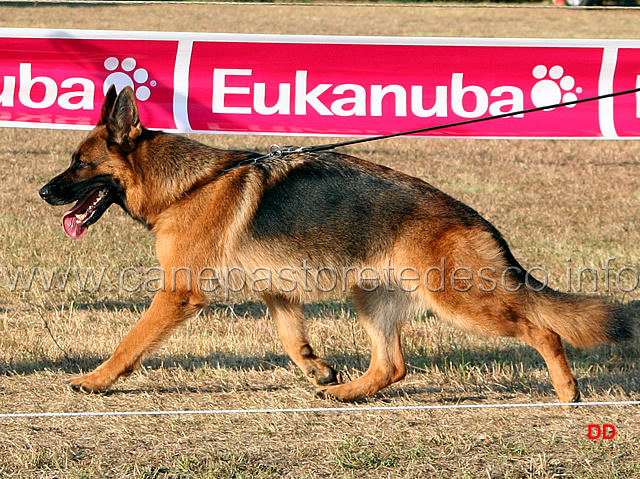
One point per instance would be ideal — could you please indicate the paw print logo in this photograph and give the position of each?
(554, 89)
(131, 76)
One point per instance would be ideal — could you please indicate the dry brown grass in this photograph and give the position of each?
(553, 200)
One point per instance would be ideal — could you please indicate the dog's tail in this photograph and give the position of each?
(583, 321)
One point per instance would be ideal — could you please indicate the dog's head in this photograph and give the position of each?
(99, 167)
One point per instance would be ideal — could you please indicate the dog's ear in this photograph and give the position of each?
(107, 106)
(123, 123)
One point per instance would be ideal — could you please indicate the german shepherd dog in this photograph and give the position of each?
(312, 215)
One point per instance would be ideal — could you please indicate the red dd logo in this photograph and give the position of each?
(606, 431)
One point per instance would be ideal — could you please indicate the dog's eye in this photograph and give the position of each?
(79, 164)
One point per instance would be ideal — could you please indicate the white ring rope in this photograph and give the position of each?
(313, 410)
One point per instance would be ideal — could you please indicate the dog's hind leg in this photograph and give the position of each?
(381, 313)
(167, 311)
(289, 319)
(501, 313)
(549, 345)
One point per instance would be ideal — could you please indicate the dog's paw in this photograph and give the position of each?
(322, 394)
(575, 399)
(339, 392)
(570, 393)
(324, 376)
(88, 383)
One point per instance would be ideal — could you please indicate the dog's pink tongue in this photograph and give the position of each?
(71, 226)
(69, 220)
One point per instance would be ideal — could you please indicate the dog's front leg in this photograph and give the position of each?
(168, 310)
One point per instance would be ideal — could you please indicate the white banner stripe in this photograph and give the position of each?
(605, 87)
(181, 86)
(80, 34)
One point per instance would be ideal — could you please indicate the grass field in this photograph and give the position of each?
(559, 204)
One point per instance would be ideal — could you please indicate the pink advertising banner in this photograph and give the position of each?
(321, 85)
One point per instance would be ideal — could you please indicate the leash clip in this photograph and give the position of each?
(276, 151)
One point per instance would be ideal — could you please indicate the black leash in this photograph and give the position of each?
(278, 152)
